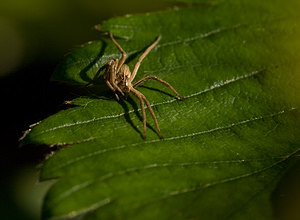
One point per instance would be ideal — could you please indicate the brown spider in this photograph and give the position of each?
(118, 77)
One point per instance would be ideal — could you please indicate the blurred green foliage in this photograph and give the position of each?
(34, 30)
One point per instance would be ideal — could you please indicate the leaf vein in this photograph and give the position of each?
(186, 40)
(83, 211)
(83, 157)
(86, 184)
(226, 180)
(214, 86)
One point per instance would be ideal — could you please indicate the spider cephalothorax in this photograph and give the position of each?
(118, 77)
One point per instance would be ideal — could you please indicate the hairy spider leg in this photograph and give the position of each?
(143, 99)
(112, 77)
(120, 63)
(143, 111)
(111, 87)
(144, 79)
(123, 58)
(106, 76)
(138, 63)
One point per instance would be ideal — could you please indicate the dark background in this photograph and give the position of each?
(34, 36)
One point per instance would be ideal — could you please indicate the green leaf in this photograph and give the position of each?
(226, 146)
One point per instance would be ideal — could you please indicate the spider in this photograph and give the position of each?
(118, 78)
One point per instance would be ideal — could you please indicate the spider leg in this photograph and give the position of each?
(140, 96)
(144, 79)
(112, 88)
(116, 87)
(123, 58)
(138, 63)
(111, 77)
(97, 75)
(153, 116)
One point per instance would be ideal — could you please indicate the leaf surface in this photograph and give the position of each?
(226, 146)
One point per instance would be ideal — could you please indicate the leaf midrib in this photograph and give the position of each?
(83, 157)
(211, 88)
(156, 165)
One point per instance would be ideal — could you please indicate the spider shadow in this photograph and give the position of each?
(158, 90)
(134, 55)
(83, 72)
(107, 95)
(135, 109)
